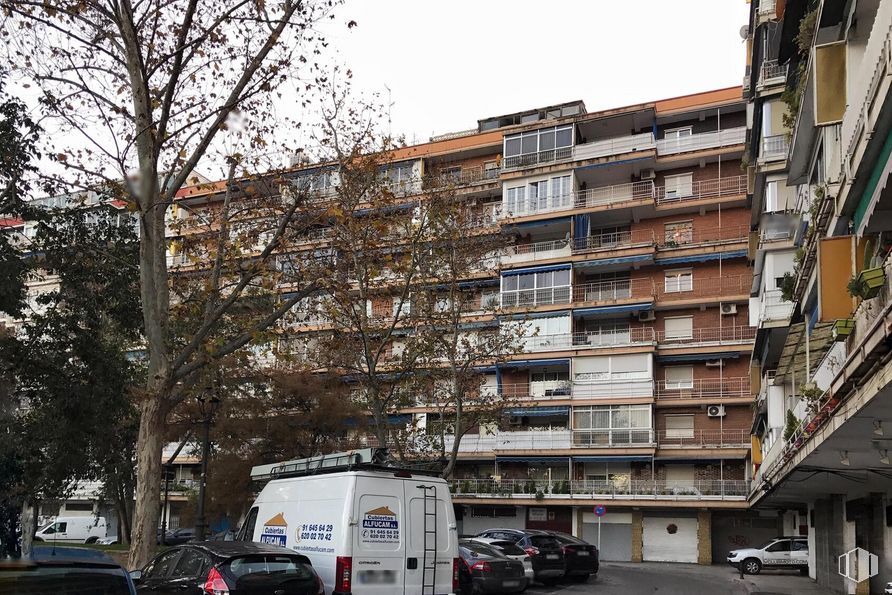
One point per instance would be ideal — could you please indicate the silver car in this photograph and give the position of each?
(513, 551)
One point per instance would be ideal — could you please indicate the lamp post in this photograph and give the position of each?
(207, 407)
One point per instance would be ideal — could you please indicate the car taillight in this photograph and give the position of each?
(482, 566)
(566, 550)
(343, 574)
(455, 575)
(531, 551)
(216, 584)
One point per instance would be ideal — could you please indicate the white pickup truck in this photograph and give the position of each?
(780, 552)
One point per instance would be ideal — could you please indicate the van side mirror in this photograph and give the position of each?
(136, 575)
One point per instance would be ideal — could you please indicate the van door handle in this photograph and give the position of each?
(412, 563)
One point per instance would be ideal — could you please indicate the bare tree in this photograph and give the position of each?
(142, 93)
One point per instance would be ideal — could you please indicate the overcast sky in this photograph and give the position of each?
(449, 63)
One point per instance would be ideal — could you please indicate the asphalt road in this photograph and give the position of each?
(682, 579)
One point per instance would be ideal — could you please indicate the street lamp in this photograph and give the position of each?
(208, 408)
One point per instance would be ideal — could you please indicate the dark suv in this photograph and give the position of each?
(544, 550)
(64, 571)
(580, 556)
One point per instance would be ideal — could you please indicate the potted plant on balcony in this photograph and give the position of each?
(867, 283)
(842, 328)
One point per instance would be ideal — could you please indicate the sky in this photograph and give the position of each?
(448, 64)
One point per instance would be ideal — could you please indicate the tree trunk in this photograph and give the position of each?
(28, 523)
(148, 484)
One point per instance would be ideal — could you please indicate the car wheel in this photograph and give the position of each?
(804, 571)
(581, 578)
(752, 566)
(91, 540)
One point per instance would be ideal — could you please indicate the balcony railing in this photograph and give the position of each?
(767, 7)
(772, 72)
(548, 389)
(486, 217)
(704, 388)
(613, 437)
(614, 146)
(613, 387)
(609, 291)
(697, 287)
(715, 335)
(775, 146)
(521, 440)
(715, 489)
(681, 237)
(539, 158)
(703, 189)
(617, 193)
(590, 340)
(704, 140)
(772, 306)
(703, 438)
(536, 297)
(537, 251)
(616, 240)
(537, 205)
(469, 175)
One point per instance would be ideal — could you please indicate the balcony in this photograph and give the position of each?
(704, 388)
(614, 241)
(612, 291)
(772, 73)
(590, 340)
(539, 205)
(537, 251)
(715, 489)
(549, 389)
(773, 307)
(708, 336)
(690, 237)
(703, 189)
(527, 298)
(704, 140)
(614, 146)
(613, 388)
(485, 217)
(774, 147)
(469, 175)
(703, 287)
(767, 7)
(727, 438)
(521, 440)
(613, 437)
(540, 158)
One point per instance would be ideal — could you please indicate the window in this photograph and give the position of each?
(539, 196)
(549, 376)
(79, 506)
(612, 424)
(679, 327)
(190, 564)
(608, 332)
(679, 280)
(679, 426)
(679, 186)
(546, 139)
(779, 546)
(560, 187)
(514, 200)
(771, 205)
(778, 282)
(160, 566)
(679, 133)
(489, 300)
(679, 377)
(490, 170)
(546, 287)
(612, 368)
(608, 237)
(679, 232)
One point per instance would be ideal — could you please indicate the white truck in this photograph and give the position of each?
(367, 529)
(77, 529)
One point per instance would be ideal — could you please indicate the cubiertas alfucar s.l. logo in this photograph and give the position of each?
(380, 525)
(275, 531)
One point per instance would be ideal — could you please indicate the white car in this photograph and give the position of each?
(110, 540)
(780, 552)
(513, 551)
(888, 588)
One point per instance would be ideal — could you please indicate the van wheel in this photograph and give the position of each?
(752, 566)
(92, 539)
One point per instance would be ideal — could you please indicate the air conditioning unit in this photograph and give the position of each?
(714, 363)
(715, 411)
(729, 309)
(648, 174)
(646, 316)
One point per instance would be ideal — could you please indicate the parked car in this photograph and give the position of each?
(227, 535)
(485, 569)
(73, 529)
(181, 535)
(888, 588)
(580, 557)
(780, 552)
(545, 551)
(64, 571)
(513, 551)
(113, 539)
(228, 567)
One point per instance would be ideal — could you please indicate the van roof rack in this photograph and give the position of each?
(367, 459)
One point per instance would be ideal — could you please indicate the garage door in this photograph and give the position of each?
(616, 535)
(669, 539)
(734, 531)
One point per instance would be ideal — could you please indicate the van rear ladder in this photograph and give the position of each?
(429, 561)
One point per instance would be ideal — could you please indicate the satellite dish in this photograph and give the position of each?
(744, 32)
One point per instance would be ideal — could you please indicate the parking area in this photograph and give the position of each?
(684, 579)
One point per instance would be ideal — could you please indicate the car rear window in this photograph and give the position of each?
(509, 548)
(544, 541)
(482, 549)
(64, 581)
(270, 564)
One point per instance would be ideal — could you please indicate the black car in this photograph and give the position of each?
(580, 557)
(484, 569)
(64, 571)
(544, 550)
(181, 535)
(231, 567)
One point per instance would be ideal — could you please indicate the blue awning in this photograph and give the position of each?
(608, 261)
(703, 257)
(554, 267)
(617, 459)
(527, 363)
(483, 324)
(613, 163)
(553, 314)
(614, 309)
(698, 357)
(538, 411)
(563, 460)
(539, 222)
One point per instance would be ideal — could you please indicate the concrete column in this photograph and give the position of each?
(704, 537)
(877, 541)
(829, 542)
(637, 536)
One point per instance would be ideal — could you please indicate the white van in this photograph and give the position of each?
(79, 529)
(363, 529)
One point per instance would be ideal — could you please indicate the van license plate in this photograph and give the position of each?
(582, 553)
(551, 556)
(510, 583)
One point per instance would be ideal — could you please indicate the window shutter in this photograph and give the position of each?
(681, 327)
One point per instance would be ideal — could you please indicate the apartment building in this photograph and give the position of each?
(823, 412)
